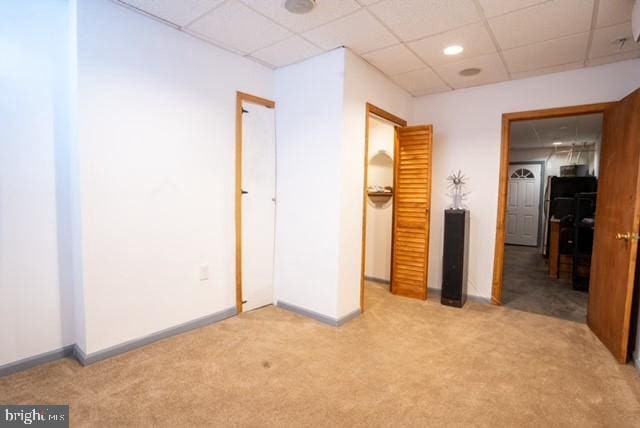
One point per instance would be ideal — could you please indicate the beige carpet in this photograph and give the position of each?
(403, 363)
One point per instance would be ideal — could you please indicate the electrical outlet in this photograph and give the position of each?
(204, 272)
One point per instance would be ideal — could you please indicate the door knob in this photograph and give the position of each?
(628, 236)
(244, 192)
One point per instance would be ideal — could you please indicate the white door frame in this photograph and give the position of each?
(540, 196)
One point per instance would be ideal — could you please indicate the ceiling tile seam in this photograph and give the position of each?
(299, 33)
(545, 67)
(635, 50)
(291, 32)
(492, 36)
(308, 29)
(547, 40)
(298, 61)
(439, 33)
(382, 72)
(219, 5)
(132, 8)
(594, 18)
(603, 27)
(531, 6)
(188, 32)
(408, 48)
(212, 41)
(289, 36)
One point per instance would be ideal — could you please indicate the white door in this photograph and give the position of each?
(258, 205)
(523, 204)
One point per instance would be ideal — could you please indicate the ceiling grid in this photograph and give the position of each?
(404, 39)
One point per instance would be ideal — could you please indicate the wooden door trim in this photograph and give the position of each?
(371, 109)
(240, 98)
(507, 119)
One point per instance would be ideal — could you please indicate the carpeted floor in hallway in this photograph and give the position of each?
(403, 363)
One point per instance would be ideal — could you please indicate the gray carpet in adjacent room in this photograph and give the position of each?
(527, 287)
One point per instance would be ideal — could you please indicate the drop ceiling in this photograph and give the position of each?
(506, 39)
(572, 130)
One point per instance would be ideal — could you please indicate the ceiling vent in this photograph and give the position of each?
(470, 72)
(299, 6)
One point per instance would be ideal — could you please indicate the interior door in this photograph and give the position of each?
(412, 194)
(523, 204)
(615, 246)
(258, 204)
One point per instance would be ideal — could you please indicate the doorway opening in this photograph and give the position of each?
(612, 216)
(255, 201)
(378, 206)
(552, 195)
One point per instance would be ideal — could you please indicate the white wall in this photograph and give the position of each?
(309, 100)
(157, 149)
(36, 296)
(467, 133)
(379, 212)
(363, 84)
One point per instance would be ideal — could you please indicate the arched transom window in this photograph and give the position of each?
(522, 173)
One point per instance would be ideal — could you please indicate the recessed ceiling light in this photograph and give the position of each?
(453, 50)
(299, 6)
(470, 72)
(557, 143)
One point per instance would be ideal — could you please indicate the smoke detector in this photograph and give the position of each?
(299, 6)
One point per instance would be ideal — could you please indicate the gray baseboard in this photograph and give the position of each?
(130, 345)
(334, 322)
(84, 359)
(36, 360)
(636, 359)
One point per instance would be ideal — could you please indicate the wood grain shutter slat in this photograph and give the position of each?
(411, 215)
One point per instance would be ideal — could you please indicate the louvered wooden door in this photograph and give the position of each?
(412, 193)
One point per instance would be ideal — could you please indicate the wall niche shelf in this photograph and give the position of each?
(380, 197)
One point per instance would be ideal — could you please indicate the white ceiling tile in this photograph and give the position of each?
(499, 7)
(430, 91)
(421, 82)
(413, 19)
(547, 70)
(368, 2)
(612, 12)
(179, 13)
(613, 58)
(473, 38)
(235, 25)
(545, 21)
(603, 43)
(288, 51)
(323, 12)
(492, 71)
(394, 60)
(359, 31)
(547, 54)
